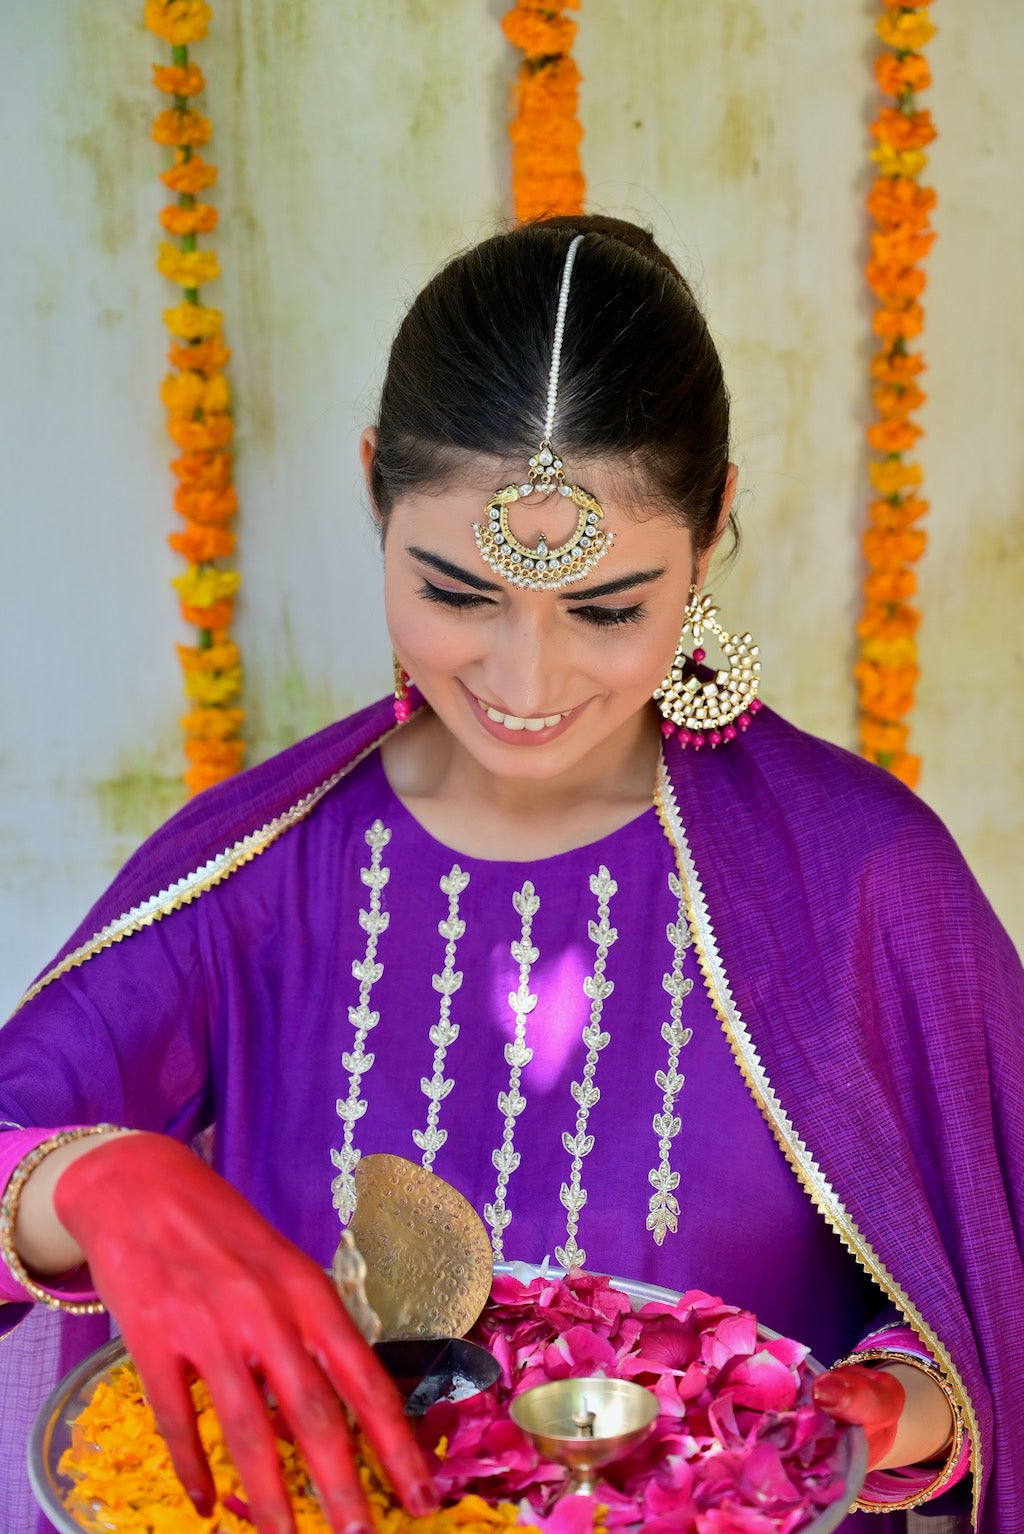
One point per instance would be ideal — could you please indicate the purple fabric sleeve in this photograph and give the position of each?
(15, 1145)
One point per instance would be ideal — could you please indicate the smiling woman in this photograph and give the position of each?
(508, 925)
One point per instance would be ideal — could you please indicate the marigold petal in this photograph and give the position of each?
(179, 22)
(193, 321)
(189, 175)
(200, 356)
(181, 127)
(199, 219)
(178, 79)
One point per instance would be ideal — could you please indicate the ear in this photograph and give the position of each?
(728, 496)
(367, 453)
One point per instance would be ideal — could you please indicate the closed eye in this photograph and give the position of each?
(609, 617)
(458, 599)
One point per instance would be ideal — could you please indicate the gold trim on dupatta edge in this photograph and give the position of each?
(809, 1174)
(196, 883)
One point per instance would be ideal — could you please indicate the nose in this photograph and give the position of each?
(525, 670)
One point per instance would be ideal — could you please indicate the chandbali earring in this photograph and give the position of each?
(701, 713)
(403, 707)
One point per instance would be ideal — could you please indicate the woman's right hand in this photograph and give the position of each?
(200, 1284)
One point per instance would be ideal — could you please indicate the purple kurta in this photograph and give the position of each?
(318, 1003)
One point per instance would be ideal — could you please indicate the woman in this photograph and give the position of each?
(755, 1037)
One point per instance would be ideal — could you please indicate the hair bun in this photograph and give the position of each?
(635, 236)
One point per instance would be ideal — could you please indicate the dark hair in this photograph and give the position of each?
(640, 379)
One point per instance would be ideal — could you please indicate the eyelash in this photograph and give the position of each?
(600, 617)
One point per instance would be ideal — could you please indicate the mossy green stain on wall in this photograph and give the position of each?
(137, 800)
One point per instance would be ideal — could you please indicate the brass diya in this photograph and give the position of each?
(585, 1424)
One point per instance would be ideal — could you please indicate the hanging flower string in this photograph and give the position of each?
(887, 667)
(197, 400)
(545, 132)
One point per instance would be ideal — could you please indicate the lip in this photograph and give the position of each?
(519, 737)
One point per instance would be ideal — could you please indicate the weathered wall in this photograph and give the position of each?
(358, 145)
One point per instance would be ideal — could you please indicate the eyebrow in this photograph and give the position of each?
(477, 582)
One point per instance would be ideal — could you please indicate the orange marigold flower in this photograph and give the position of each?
(178, 79)
(193, 321)
(878, 735)
(892, 436)
(178, 21)
(216, 617)
(894, 367)
(903, 130)
(904, 320)
(200, 357)
(204, 471)
(888, 620)
(196, 779)
(896, 76)
(545, 136)
(213, 751)
(199, 219)
(892, 399)
(200, 543)
(902, 246)
(193, 436)
(189, 176)
(905, 767)
(181, 126)
(212, 723)
(905, 30)
(890, 585)
(893, 515)
(892, 475)
(886, 691)
(884, 548)
(208, 506)
(892, 283)
(538, 31)
(899, 201)
(187, 268)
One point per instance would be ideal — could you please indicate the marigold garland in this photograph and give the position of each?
(545, 133)
(887, 666)
(197, 399)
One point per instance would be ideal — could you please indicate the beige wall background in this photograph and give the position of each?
(359, 144)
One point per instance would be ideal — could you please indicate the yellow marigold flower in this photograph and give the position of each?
(223, 656)
(189, 176)
(891, 475)
(200, 219)
(178, 21)
(181, 126)
(898, 162)
(178, 79)
(202, 587)
(213, 686)
(212, 723)
(188, 268)
(182, 394)
(890, 652)
(193, 321)
(906, 31)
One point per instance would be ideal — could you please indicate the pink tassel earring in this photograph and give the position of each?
(403, 708)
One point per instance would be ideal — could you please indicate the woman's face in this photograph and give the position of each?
(531, 682)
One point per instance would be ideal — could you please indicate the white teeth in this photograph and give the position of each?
(513, 721)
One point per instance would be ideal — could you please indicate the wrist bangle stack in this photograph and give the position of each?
(9, 1214)
(901, 1490)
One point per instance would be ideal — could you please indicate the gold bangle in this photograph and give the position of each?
(9, 1214)
(927, 1366)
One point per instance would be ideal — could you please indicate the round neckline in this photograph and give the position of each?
(401, 811)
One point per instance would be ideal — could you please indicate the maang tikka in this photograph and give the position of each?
(543, 568)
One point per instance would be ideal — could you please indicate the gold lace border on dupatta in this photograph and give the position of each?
(196, 883)
(809, 1174)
